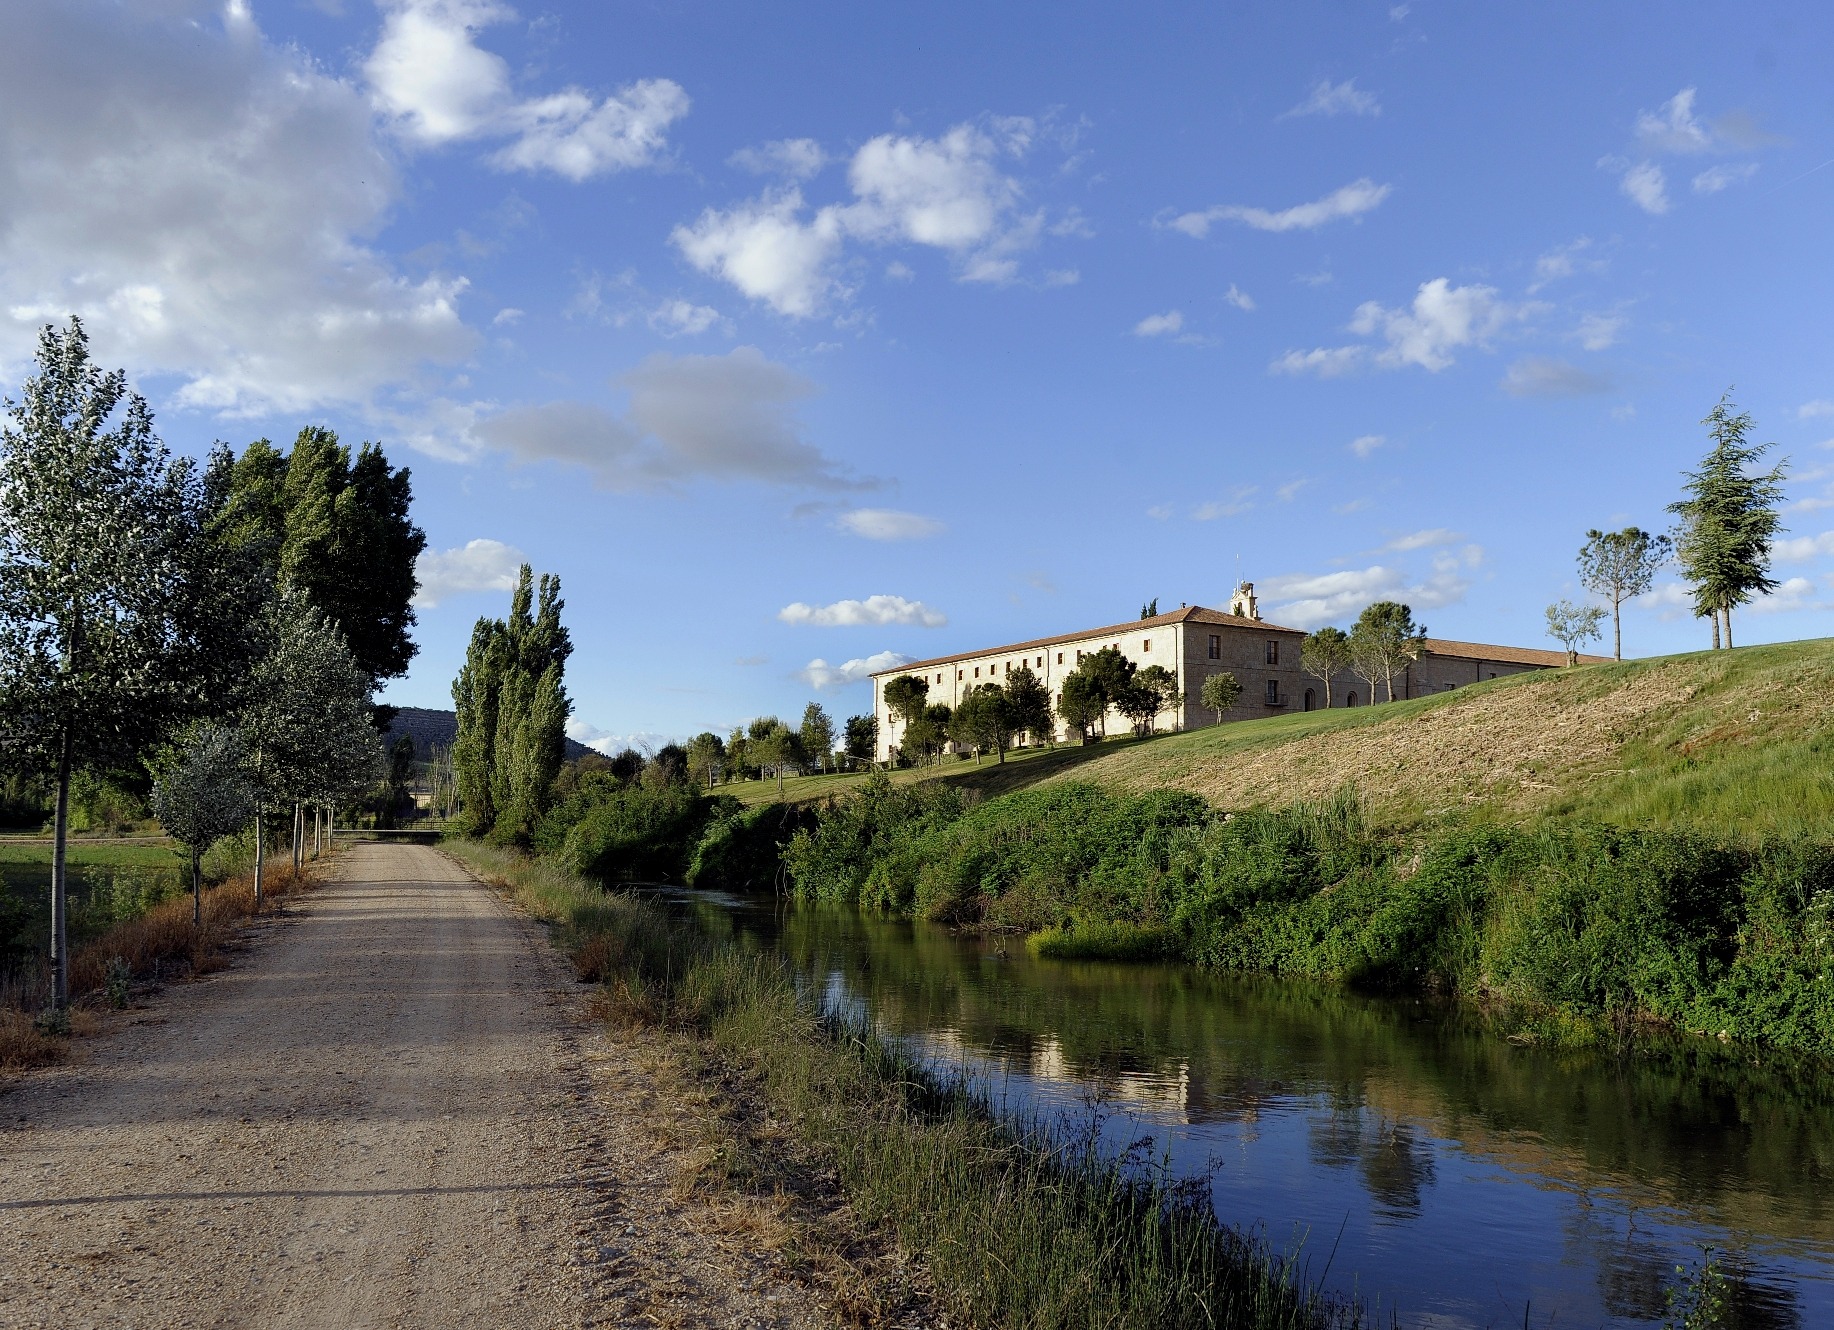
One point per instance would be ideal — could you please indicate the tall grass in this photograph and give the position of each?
(1024, 1225)
(161, 943)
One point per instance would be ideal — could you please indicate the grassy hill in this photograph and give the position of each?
(1737, 742)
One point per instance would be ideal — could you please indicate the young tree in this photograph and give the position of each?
(204, 795)
(1384, 639)
(1148, 692)
(1080, 703)
(1729, 520)
(706, 756)
(1619, 565)
(1325, 654)
(1031, 704)
(1573, 625)
(905, 698)
(931, 731)
(984, 721)
(817, 735)
(773, 748)
(862, 741)
(111, 624)
(1220, 692)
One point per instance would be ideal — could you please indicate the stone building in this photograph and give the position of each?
(1193, 643)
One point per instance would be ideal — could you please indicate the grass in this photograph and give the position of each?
(1025, 1224)
(161, 944)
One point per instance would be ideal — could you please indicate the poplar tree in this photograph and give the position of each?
(1728, 521)
(111, 631)
(512, 710)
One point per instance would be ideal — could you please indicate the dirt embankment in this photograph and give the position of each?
(392, 1112)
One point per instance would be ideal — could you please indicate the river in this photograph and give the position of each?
(1413, 1156)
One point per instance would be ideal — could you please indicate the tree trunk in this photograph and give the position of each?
(1727, 611)
(1617, 631)
(260, 854)
(60, 914)
(1716, 629)
(197, 892)
(299, 836)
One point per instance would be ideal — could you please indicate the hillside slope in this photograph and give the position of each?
(1741, 742)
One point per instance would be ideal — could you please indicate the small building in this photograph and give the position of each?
(1193, 643)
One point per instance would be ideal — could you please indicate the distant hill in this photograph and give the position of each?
(429, 729)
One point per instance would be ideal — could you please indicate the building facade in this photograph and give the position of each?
(1193, 643)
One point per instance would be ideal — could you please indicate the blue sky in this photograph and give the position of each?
(796, 339)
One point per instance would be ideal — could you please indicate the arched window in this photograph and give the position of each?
(1311, 699)
(1350, 701)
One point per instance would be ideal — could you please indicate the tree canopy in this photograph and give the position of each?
(1385, 639)
(1620, 565)
(203, 795)
(1574, 625)
(1729, 520)
(1326, 653)
(1220, 692)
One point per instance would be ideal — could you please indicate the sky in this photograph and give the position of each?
(802, 340)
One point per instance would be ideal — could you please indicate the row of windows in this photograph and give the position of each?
(1216, 648)
(1146, 646)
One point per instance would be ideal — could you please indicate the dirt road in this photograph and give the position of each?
(387, 1113)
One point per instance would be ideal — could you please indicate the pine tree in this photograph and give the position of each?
(1728, 521)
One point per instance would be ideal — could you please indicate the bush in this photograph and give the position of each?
(636, 833)
(741, 849)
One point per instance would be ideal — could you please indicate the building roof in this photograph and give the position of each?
(1190, 614)
(1440, 646)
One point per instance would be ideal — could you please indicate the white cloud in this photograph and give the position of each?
(1803, 548)
(1161, 512)
(478, 565)
(1351, 201)
(1239, 298)
(1366, 444)
(1306, 600)
(819, 674)
(1343, 98)
(1561, 261)
(437, 86)
(1819, 407)
(899, 271)
(507, 318)
(727, 417)
(1598, 332)
(948, 193)
(681, 318)
(609, 742)
(1442, 319)
(1674, 128)
(1643, 183)
(1324, 361)
(201, 198)
(1158, 325)
(1234, 506)
(1793, 593)
(1423, 540)
(794, 159)
(1543, 376)
(1290, 490)
(1716, 178)
(874, 611)
(764, 248)
(888, 524)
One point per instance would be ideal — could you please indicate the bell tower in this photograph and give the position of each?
(1242, 603)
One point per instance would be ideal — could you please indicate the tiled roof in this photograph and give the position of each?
(1440, 646)
(1190, 614)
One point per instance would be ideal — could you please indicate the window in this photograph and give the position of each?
(1273, 692)
(977, 671)
(1148, 646)
(1216, 646)
(1273, 651)
(960, 675)
(1041, 662)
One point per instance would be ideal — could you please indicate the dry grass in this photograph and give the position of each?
(160, 945)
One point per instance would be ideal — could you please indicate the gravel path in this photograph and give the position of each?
(390, 1112)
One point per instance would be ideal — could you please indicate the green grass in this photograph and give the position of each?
(1021, 1225)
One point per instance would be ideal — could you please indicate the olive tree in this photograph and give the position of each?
(204, 795)
(1574, 625)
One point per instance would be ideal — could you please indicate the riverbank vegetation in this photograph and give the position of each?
(1019, 1225)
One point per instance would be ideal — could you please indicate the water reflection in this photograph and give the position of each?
(1462, 1180)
